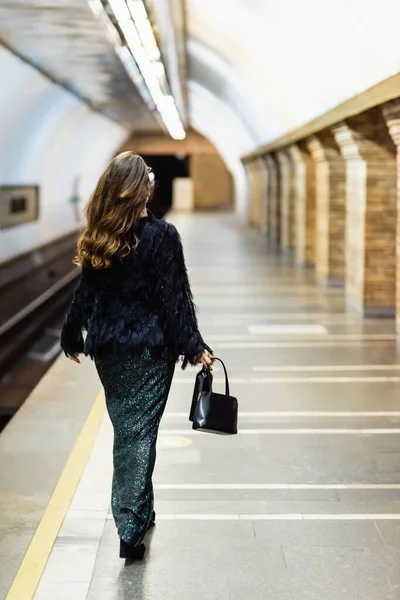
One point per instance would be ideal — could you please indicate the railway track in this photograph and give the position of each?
(32, 305)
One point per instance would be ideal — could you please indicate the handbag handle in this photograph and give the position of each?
(226, 376)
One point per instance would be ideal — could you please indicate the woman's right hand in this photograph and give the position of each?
(207, 360)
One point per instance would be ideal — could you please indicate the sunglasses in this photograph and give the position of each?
(151, 174)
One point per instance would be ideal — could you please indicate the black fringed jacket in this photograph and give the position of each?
(144, 301)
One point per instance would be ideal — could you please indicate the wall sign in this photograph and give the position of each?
(19, 204)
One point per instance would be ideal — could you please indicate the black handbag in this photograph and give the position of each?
(203, 382)
(216, 413)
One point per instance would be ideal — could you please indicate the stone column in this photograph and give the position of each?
(257, 181)
(274, 209)
(247, 171)
(371, 198)
(251, 178)
(330, 208)
(286, 196)
(264, 208)
(391, 113)
(304, 199)
(260, 180)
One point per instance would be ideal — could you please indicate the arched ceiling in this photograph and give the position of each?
(221, 125)
(64, 40)
(282, 63)
(257, 69)
(213, 73)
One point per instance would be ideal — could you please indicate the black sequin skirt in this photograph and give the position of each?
(136, 390)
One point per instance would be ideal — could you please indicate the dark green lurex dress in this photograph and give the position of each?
(136, 390)
(139, 317)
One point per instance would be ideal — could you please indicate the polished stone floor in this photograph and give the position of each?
(304, 504)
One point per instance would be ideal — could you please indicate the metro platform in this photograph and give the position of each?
(304, 504)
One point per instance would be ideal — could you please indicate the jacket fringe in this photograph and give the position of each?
(144, 301)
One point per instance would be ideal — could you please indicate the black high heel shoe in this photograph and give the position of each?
(132, 552)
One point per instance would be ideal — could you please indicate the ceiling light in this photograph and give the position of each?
(145, 30)
(169, 113)
(120, 10)
(141, 57)
(158, 69)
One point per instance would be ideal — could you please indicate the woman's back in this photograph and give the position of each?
(135, 302)
(141, 301)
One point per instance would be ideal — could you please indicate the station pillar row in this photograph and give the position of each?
(333, 198)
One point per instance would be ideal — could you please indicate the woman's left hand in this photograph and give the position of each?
(75, 359)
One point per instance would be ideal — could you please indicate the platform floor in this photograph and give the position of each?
(304, 504)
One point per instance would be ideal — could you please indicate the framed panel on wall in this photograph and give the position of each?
(19, 204)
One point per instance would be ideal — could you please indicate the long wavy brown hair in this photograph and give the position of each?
(114, 211)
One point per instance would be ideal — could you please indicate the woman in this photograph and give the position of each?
(135, 302)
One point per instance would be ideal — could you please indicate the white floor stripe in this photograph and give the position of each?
(226, 319)
(304, 337)
(223, 287)
(312, 368)
(289, 329)
(302, 344)
(260, 301)
(300, 431)
(339, 316)
(313, 414)
(394, 379)
(276, 486)
(279, 517)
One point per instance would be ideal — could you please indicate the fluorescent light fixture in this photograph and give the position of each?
(145, 30)
(158, 69)
(138, 10)
(120, 10)
(141, 57)
(167, 109)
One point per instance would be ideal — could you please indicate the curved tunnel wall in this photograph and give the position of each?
(221, 125)
(271, 67)
(292, 61)
(51, 139)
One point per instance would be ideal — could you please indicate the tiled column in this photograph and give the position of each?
(264, 208)
(251, 178)
(330, 207)
(268, 178)
(257, 180)
(256, 193)
(304, 199)
(249, 207)
(371, 199)
(286, 196)
(274, 209)
(260, 183)
(391, 113)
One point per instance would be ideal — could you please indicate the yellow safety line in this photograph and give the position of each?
(32, 567)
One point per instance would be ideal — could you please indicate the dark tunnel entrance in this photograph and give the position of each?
(166, 168)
